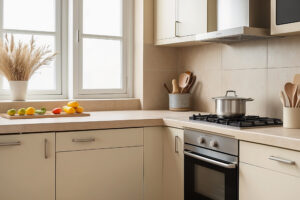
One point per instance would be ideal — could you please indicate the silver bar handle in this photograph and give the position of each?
(214, 162)
(176, 144)
(84, 140)
(282, 160)
(46, 148)
(78, 35)
(10, 144)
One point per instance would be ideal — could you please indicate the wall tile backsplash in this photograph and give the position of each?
(256, 69)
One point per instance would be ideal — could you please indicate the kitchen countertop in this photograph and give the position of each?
(275, 136)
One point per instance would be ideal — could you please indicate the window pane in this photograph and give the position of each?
(102, 64)
(44, 78)
(38, 15)
(102, 17)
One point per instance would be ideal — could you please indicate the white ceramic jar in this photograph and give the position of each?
(18, 90)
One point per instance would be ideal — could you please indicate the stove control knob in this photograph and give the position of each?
(201, 140)
(213, 144)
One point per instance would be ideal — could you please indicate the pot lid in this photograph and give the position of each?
(232, 97)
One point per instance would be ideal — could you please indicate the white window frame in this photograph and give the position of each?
(61, 45)
(127, 54)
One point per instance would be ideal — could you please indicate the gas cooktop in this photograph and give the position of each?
(242, 122)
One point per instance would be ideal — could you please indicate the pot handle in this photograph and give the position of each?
(230, 91)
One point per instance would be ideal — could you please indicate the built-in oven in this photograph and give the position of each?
(210, 166)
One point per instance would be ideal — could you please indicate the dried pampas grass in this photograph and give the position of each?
(18, 62)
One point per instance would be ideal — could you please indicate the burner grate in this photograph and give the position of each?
(245, 121)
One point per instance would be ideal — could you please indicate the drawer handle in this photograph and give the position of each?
(84, 140)
(10, 144)
(45, 148)
(282, 160)
(176, 144)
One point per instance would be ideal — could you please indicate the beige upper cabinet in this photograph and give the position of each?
(27, 169)
(165, 19)
(195, 17)
(285, 17)
(268, 173)
(183, 18)
(173, 161)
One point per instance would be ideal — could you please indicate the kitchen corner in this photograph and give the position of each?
(149, 100)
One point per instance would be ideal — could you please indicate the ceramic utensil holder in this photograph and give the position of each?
(180, 102)
(291, 117)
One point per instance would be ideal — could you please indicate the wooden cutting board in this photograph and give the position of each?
(46, 115)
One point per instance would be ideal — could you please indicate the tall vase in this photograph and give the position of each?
(18, 90)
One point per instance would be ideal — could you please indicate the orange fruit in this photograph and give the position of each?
(79, 109)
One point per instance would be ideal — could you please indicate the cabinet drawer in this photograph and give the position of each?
(81, 140)
(281, 160)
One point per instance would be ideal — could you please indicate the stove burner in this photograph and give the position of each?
(246, 121)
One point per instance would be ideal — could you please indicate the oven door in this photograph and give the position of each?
(208, 178)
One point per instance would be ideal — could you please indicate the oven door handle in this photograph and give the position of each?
(214, 162)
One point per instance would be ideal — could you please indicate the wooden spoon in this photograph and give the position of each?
(184, 80)
(297, 79)
(295, 96)
(191, 84)
(282, 98)
(298, 99)
(175, 87)
(291, 91)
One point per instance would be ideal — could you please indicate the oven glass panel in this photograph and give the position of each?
(209, 182)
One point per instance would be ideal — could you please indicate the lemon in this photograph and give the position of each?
(69, 110)
(73, 104)
(30, 111)
(22, 111)
(79, 109)
(11, 112)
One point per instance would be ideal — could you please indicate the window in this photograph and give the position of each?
(42, 19)
(104, 31)
(95, 38)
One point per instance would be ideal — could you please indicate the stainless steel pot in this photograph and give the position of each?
(231, 106)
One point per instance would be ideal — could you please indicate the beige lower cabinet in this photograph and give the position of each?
(153, 163)
(27, 167)
(257, 183)
(268, 173)
(173, 162)
(109, 173)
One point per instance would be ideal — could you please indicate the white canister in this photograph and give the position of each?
(18, 90)
(180, 102)
(291, 117)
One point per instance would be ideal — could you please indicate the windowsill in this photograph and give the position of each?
(88, 104)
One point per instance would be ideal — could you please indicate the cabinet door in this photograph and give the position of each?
(110, 174)
(153, 163)
(165, 19)
(173, 162)
(262, 184)
(191, 17)
(27, 169)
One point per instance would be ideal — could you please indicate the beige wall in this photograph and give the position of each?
(153, 65)
(256, 69)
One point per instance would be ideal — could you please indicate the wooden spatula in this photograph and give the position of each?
(175, 87)
(291, 93)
